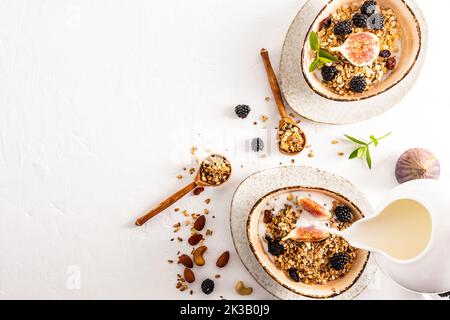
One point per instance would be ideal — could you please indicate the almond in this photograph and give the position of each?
(195, 239)
(223, 259)
(189, 275)
(198, 190)
(199, 224)
(186, 261)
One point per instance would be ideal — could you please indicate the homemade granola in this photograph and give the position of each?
(344, 77)
(215, 170)
(313, 263)
(290, 138)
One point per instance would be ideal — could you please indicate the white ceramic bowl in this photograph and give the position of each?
(410, 41)
(307, 96)
(328, 290)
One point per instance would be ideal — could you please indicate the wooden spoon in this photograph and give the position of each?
(280, 104)
(198, 182)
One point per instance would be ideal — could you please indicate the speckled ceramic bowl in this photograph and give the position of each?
(262, 183)
(411, 42)
(304, 91)
(255, 239)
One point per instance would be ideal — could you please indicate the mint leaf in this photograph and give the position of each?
(313, 41)
(368, 158)
(354, 154)
(314, 65)
(361, 152)
(326, 55)
(354, 139)
(324, 60)
(374, 140)
(387, 134)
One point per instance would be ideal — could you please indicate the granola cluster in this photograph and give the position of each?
(290, 138)
(215, 170)
(307, 262)
(389, 36)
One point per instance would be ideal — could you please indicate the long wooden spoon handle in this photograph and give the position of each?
(166, 203)
(273, 83)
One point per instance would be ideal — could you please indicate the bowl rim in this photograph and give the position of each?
(247, 231)
(376, 93)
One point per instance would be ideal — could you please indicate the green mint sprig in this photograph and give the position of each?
(322, 56)
(363, 150)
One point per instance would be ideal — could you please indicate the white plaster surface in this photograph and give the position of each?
(100, 103)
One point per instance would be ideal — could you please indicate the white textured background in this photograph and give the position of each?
(100, 103)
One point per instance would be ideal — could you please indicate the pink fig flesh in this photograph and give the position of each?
(314, 208)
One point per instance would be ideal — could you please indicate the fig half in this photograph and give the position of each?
(360, 49)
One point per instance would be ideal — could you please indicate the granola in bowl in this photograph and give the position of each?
(354, 50)
(314, 267)
(349, 20)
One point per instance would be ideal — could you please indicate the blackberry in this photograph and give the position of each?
(242, 110)
(342, 28)
(385, 53)
(293, 273)
(329, 73)
(376, 21)
(343, 213)
(207, 286)
(358, 84)
(368, 8)
(360, 20)
(339, 260)
(275, 248)
(257, 144)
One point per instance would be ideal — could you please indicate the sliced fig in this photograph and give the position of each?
(307, 234)
(314, 208)
(361, 48)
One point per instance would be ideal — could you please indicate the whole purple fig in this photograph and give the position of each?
(417, 163)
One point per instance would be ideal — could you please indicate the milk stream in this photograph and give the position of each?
(402, 230)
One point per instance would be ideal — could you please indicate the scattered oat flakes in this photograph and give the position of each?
(170, 261)
(176, 209)
(334, 142)
(207, 201)
(340, 154)
(206, 211)
(311, 154)
(264, 118)
(209, 232)
(267, 99)
(194, 150)
(217, 276)
(179, 176)
(191, 170)
(180, 239)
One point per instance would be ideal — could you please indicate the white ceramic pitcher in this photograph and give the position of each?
(429, 270)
